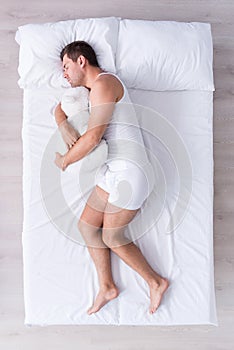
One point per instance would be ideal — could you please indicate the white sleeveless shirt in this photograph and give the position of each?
(123, 135)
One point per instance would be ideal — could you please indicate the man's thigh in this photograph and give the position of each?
(93, 213)
(115, 222)
(116, 217)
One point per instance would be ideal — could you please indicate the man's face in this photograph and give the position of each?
(72, 72)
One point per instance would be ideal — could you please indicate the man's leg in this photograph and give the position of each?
(114, 224)
(89, 225)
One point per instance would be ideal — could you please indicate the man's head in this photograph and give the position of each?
(76, 57)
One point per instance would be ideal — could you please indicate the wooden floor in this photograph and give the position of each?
(13, 334)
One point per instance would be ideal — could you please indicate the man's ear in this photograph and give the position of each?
(81, 61)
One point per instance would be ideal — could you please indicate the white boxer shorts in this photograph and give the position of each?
(128, 188)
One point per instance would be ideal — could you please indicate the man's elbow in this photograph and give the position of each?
(57, 109)
(93, 140)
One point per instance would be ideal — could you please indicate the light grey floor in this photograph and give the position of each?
(13, 334)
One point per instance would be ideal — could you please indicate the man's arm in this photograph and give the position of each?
(69, 134)
(59, 114)
(102, 98)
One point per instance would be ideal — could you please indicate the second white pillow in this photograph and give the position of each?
(165, 55)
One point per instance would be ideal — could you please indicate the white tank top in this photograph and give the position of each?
(123, 135)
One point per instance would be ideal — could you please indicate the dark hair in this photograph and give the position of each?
(77, 48)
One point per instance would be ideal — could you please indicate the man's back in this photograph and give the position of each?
(123, 133)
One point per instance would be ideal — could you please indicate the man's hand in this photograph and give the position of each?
(59, 161)
(69, 134)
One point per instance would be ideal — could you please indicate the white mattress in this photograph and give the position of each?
(60, 281)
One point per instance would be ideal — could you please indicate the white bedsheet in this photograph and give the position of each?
(60, 280)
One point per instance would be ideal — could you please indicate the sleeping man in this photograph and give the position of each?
(125, 162)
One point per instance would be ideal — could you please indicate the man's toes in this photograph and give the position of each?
(91, 310)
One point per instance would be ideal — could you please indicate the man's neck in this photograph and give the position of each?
(91, 76)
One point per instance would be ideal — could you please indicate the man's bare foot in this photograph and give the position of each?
(157, 290)
(102, 298)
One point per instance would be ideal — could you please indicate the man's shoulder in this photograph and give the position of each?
(106, 80)
(105, 85)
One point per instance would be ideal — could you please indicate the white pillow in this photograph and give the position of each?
(165, 55)
(75, 100)
(41, 44)
(74, 103)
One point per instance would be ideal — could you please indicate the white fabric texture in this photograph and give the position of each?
(60, 280)
(165, 55)
(73, 101)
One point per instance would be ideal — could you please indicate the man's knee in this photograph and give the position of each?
(113, 237)
(91, 235)
(86, 229)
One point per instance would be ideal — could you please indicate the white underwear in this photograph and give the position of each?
(127, 188)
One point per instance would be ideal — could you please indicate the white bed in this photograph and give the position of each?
(60, 281)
